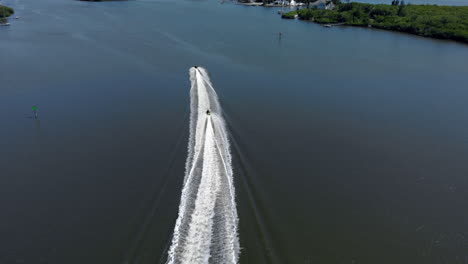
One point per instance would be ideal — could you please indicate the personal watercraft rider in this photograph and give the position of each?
(208, 112)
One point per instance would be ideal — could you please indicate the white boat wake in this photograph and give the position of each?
(206, 228)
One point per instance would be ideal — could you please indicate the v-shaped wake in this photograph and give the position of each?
(206, 228)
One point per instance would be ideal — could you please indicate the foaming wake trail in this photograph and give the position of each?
(206, 228)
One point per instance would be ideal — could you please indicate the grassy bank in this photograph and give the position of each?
(444, 22)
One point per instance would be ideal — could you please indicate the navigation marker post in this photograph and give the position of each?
(34, 108)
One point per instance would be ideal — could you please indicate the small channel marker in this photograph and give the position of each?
(34, 108)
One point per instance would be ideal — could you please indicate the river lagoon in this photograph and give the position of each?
(349, 145)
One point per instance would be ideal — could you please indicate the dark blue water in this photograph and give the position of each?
(350, 144)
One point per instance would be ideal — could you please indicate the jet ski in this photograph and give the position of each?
(208, 112)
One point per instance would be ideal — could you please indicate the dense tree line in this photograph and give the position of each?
(445, 22)
(6, 11)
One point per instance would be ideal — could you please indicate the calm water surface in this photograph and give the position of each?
(350, 144)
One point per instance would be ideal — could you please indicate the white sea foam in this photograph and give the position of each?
(206, 228)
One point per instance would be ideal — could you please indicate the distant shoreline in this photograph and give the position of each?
(102, 0)
(442, 22)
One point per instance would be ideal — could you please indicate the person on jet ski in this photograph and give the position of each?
(208, 112)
